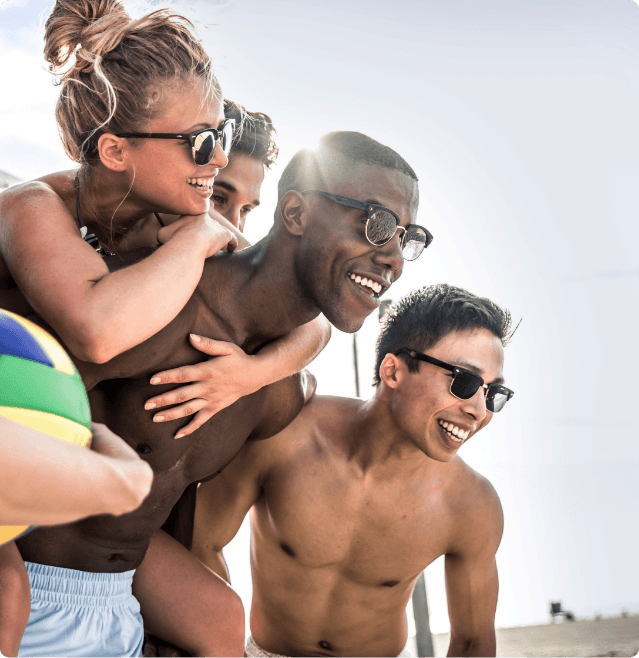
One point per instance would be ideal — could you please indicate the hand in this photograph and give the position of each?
(207, 231)
(218, 383)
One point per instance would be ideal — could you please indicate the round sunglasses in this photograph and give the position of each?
(382, 224)
(202, 142)
(466, 383)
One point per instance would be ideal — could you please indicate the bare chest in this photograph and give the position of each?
(371, 534)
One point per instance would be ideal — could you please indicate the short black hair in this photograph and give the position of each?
(304, 171)
(254, 133)
(424, 316)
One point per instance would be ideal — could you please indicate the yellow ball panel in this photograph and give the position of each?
(48, 343)
(9, 532)
(60, 428)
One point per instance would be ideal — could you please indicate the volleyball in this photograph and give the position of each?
(40, 387)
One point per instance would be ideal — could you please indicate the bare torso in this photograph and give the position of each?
(337, 548)
(118, 391)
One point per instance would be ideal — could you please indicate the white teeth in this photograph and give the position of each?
(367, 283)
(456, 433)
(200, 182)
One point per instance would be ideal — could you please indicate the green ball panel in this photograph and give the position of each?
(32, 385)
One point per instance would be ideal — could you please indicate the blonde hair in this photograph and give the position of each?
(112, 67)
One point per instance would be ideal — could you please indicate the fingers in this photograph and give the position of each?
(176, 396)
(232, 244)
(211, 346)
(197, 422)
(181, 411)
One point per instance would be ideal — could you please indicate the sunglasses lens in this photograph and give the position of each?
(465, 385)
(203, 147)
(227, 136)
(496, 399)
(380, 227)
(413, 243)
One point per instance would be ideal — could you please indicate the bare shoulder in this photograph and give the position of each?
(325, 413)
(322, 416)
(473, 501)
(21, 205)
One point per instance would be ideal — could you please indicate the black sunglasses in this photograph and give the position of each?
(382, 224)
(465, 383)
(202, 141)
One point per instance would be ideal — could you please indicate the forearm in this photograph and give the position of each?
(45, 481)
(293, 352)
(122, 309)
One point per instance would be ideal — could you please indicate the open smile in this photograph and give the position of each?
(202, 184)
(455, 435)
(367, 285)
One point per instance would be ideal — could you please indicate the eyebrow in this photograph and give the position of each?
(231, 188)
(203, 126)
(478, 371)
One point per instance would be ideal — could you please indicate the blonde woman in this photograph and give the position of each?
(140, 111)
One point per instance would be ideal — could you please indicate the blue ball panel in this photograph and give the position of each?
(15, 340)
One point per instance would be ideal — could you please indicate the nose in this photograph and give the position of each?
(390, 255)
(220, 159)
(476, 406)
(235, 217)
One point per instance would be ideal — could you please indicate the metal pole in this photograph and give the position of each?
(420, 610)
(355, 364)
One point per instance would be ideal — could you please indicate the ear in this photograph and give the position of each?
(392, 371)
(292, 208)
(112, 152)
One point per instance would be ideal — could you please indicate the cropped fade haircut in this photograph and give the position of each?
(254, 134)
(112, 68)
(424, 316)
(336, 153)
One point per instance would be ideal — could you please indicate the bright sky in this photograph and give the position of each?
(519, 118)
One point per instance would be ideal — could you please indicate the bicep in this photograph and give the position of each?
(281, 403)
(53, 267)
(472, 583)
(471, 589)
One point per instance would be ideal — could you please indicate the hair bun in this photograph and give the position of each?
(86, 29)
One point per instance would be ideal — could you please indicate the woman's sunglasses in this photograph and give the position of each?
(465, 383)
(382, 224)
(202, 141)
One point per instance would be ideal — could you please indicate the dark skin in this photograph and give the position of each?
(284, 281)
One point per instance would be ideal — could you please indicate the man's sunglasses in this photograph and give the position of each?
(382, 224)
(465, 383)
(202, 141)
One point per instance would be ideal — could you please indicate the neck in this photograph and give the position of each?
(258, 292)
(106, 205)
(378, 444)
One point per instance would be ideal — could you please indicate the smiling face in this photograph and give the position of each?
(166, 178)
(337, 266)
(425, 410)
(236, 189)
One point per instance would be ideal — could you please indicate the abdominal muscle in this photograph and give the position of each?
(310, 611)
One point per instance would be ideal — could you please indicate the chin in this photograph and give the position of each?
(347, 324)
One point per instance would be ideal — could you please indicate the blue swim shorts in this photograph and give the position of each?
(78, 613)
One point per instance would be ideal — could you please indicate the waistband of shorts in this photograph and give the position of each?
(84, 588)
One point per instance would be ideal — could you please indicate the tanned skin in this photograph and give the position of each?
(286, 280)
(352, 501)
